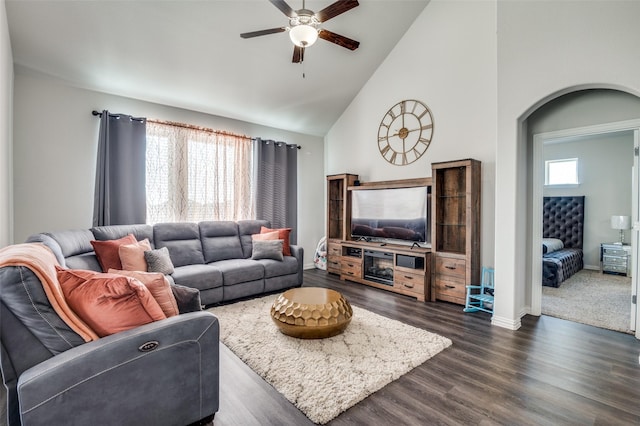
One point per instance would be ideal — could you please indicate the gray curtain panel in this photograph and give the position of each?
(120, 192)
(276, 177)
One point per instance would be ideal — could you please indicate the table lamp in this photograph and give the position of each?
(621, 223)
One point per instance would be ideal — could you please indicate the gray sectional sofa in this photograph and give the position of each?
(212, 256)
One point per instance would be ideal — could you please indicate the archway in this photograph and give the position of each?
(584, 123)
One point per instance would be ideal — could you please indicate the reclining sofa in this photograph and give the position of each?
(169, 368)
(56, 372)
(212, 256)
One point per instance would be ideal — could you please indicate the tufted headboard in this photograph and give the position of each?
(563, 218)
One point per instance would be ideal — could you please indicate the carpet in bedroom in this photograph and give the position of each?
(590, 297)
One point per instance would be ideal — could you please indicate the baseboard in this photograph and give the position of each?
(506, 322)
(592, 267)
(309, 266)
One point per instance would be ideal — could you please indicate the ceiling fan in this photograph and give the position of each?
(304, 26)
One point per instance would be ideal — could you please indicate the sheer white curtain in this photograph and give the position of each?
(196, 174)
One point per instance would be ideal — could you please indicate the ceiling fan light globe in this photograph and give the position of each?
(303, 35)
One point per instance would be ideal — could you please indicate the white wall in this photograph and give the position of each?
(546, 49)
(6, 124)
(483, 67)
(55, 155)
(447, 60)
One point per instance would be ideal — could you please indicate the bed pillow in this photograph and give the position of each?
(549, 245)
(108, 303)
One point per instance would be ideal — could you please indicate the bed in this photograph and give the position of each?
(563, 227)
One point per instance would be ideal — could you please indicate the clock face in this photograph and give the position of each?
(405, 132)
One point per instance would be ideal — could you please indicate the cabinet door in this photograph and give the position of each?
(334, 253)
(339, 206)
(351, 267)
(408, 281)
(451, 267)
(450, 289)
(451, 210)
(450, 279)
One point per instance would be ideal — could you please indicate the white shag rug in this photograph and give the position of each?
(324, 377)
(593, 298)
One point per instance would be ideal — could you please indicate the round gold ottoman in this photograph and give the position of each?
(311, 312)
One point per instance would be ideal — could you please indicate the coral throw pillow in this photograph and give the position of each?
(274, 235)
(132, 255)
(283, 235)
(159, 287)
(108, 303)
(107, 251)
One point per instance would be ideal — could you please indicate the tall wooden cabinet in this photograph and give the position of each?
(455, 228)
(338, 217)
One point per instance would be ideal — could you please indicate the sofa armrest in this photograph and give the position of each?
(298, 253)
(122, 379)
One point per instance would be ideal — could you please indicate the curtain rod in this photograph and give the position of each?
(182, 125)
(276, 142)
(194, 127)
(188, 126)
(98, 114)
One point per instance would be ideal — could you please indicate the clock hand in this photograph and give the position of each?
(398, 133)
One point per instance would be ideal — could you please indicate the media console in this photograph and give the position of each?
(392, 267)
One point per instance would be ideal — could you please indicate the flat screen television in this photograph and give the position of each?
(395, 215)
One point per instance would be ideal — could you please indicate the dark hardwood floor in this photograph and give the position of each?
(550, 372)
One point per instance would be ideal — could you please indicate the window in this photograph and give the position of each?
(196, 174)
(561, 172)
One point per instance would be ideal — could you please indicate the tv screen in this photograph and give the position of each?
(397, 214)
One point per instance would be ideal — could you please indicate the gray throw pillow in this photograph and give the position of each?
(187, 298)
(267, 249)
(159, 261)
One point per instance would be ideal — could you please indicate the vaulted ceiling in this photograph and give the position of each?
(189, 54)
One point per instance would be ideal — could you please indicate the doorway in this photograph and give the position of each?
(632, 129)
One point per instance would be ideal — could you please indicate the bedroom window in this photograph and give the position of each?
(561, 172)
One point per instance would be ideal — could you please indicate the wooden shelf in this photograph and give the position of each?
(399, 268)
(406, 271)
(339, 206)
(455, 228)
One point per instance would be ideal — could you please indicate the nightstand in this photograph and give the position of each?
(615, 259)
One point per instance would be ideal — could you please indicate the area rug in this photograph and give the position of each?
(325, 377)
(590, 297)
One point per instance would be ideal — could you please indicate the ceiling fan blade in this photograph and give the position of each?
(336, 9)
(338, 39)
(298, 54)
(263, 32)
(284, 8)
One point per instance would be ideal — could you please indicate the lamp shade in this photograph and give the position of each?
(303, 35)
(620, 222)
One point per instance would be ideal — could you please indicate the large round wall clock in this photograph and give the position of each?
(405, 132)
